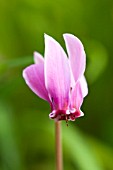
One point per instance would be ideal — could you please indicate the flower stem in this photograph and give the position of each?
(59, 164)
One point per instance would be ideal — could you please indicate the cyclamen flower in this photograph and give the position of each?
(58, 78)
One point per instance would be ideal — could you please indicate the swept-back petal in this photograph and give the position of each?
(38, 58)
(57, 73)
(84, 86)
(76, 54)
(76, 96)
(34, 77)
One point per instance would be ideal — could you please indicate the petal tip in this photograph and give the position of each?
(38, 58)
(46, 36)
(68, 36)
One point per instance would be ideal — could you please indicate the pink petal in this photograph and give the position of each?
(84, 86)
(38, 58)
(72, 80)
(76, 54)
(76, 96)
(57, 73)
(34, 77)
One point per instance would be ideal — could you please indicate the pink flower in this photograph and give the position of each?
(58, 79)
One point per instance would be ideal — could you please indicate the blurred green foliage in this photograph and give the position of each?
(26, 133)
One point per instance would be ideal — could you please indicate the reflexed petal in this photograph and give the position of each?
(34, 77)
(71, 77)
(72, 80)
(84, 86)
(57, 73)
(38, 58)
(76, 96)
(76, 54)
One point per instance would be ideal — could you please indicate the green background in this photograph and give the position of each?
(26, 132)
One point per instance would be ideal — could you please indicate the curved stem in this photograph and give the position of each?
(59, 164)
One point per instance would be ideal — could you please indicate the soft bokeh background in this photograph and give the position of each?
(26, 133)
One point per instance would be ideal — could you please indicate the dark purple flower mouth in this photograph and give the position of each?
(64, 115)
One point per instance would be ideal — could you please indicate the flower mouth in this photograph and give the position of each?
(58, 115)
